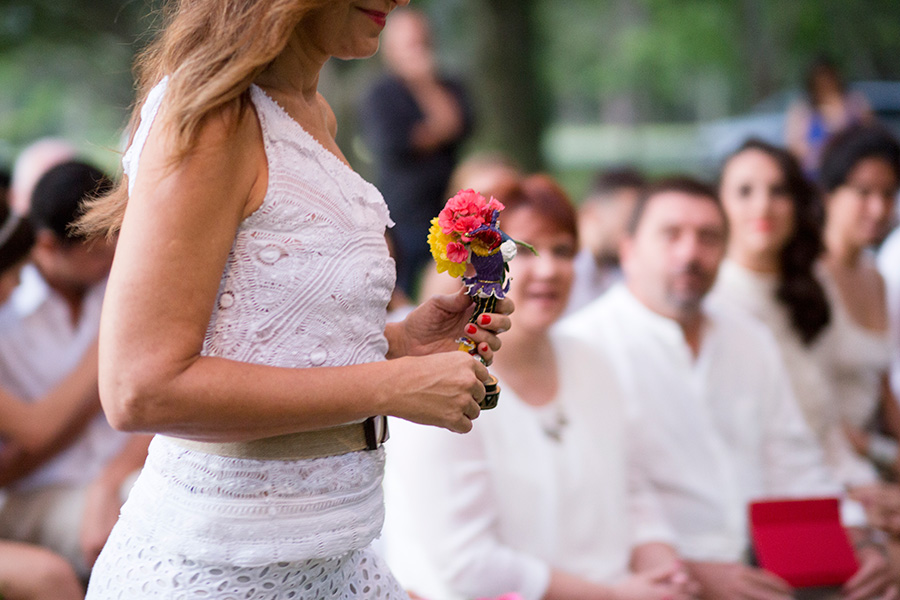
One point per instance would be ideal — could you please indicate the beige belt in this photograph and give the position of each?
(368, 435)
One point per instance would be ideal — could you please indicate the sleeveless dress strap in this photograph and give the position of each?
(148, 114)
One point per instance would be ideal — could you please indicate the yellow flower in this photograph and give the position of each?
(438, 241)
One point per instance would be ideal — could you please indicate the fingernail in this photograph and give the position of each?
(471, 329)
(485, 319)
(485, 347)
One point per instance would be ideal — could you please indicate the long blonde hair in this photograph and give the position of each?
(211, 50)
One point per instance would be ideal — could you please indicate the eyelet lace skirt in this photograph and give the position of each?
(204, 526)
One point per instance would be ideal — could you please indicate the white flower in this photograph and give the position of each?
(508, 249)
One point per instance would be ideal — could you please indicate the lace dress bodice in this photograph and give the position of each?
(306, 284)
(309, 276)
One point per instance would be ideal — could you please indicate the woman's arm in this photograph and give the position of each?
(179, 227)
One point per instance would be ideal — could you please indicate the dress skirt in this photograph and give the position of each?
(198, 525)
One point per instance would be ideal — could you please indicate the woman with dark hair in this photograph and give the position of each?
(535, 500)
(827, 108)
(860, 176)
(244, 320)
(771, 271)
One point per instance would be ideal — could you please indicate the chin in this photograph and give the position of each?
(542, 317)
(362, 49)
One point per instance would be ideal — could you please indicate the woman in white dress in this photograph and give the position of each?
(771, 271)
(244, 321)
(860, 175)
(542, 498)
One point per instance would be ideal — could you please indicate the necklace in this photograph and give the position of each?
(554, 426)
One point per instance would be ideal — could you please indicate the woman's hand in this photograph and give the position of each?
(735, 581)
(882, 504)
(439, 322)
(873, 579)
(663, 583)
(859, 439)
(439, 389)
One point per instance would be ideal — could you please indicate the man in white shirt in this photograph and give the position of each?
(68, 497)
(710, 399)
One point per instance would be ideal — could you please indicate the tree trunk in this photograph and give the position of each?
(509, 99)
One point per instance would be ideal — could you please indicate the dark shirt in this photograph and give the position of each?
(413, 183)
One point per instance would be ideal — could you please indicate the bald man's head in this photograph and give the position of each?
(32, 163)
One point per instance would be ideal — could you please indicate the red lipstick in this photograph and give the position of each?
(380, 18)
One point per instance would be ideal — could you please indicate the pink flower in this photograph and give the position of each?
(466, 224)
(446, 219)
(494, 204)
(457, 253)
(466, 202)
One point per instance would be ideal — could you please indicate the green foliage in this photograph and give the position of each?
(65, 64)
(65, 71)
(688, 59)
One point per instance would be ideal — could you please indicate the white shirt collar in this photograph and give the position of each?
(662, 327)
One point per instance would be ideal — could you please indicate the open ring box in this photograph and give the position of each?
(802, 541)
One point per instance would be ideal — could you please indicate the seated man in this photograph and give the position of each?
(69, 501)
(602, 217)
(710, 399)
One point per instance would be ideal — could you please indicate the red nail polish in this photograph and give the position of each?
(485, 347)
(485, 319)
(471, 329)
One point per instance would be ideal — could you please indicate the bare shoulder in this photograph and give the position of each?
(227, 153)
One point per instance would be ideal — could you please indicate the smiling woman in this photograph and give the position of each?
(269, 343)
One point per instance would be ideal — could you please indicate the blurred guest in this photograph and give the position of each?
(602, 219)
(36, 427)
(889, 266)
(70, 503)
(400, 305)
(483, 171)
(860, 175)
(35, 160)
(718, 418)
(414, 120)
(542, 498)
(26, 572)
(828, 107)
(774, 245)
(32, 573)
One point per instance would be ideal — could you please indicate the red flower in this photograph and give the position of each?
(487, 213)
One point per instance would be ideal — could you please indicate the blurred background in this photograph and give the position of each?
(567, 86)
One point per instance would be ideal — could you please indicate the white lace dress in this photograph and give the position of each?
(306, 284)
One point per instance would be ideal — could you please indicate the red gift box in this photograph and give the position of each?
(802, 541)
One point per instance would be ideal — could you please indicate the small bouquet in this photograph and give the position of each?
(466, 233)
